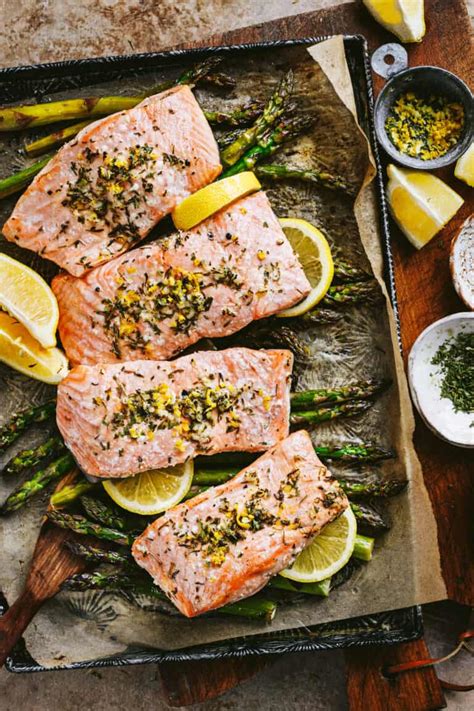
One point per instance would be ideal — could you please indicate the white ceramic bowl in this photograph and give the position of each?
(425, 382)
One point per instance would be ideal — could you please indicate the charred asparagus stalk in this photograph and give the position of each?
(102, 513)
(375, 489)
(345, 272)
(253, 607)
(17, 181)
(351, 293)
(28, 458)
(322, 178)
(37, 483)
(70, 493)
(354, 453)
(55, 139)
(219, 80)
(324, 414)
(240, 116)
(17, 118)
(269, 143)
(205, 477)
(321, 589)
(79, 524)
(10, 432)
(363, 548)
(318, 316)
(272, 111)
(101, 555)
(369, 519)
(360, 390)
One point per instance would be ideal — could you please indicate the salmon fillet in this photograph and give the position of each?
(124, 418)
(106, 189)
(155, 301)
(225, 544)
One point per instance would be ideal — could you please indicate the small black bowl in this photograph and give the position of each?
(425, 80)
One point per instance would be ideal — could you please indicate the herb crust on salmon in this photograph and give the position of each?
(124, 418)
(225, 544)
(155, 301)
(105, 190)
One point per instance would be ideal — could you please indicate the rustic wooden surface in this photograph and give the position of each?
(369, 689)
(52, 563)
(425, 293)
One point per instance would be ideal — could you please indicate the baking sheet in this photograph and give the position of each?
(405, 569)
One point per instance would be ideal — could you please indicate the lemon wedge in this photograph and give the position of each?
(327, 553)
(421, 204)
(27, 297)
(314, 254)
(21, 351)
(214, 197)
(464, 169)
(153, 491)
(405, 18)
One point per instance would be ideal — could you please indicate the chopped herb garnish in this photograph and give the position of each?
(455, 358)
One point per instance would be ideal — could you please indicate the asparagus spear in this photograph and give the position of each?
(100, 555)
(345, 272)
(368, 518)
(28, 458)
(355, 453)
(52, 140)
(359, 390)
(237, 117)
(16, 118)
(321, 589)
(102, 513)
(219, 79)
(17, 181)
(319, 177)
(351, 293)
(229, 137)
(272, 111)
(363, 548)
(10, 432)
(269, 143)
(253, 607)
(79, 524)
(70, 493)
(324, 414)
(37, 483)
(214, 477)
(205, 477)
(318, 316)
(377, 489)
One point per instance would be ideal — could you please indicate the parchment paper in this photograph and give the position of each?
(405, 569)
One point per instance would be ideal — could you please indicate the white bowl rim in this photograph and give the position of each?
(459, 316)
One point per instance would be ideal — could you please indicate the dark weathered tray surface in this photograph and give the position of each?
(389, 627)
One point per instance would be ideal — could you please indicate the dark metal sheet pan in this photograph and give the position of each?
(391, 627)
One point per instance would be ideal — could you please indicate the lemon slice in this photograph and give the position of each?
(464, 169)
(314, 253)
(205, 202)
(153, 491)
(27, 297)
(405, 18)
(21, 351)
(327, 553)
(421, 204)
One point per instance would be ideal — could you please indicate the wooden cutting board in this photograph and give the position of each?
(425, 293)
